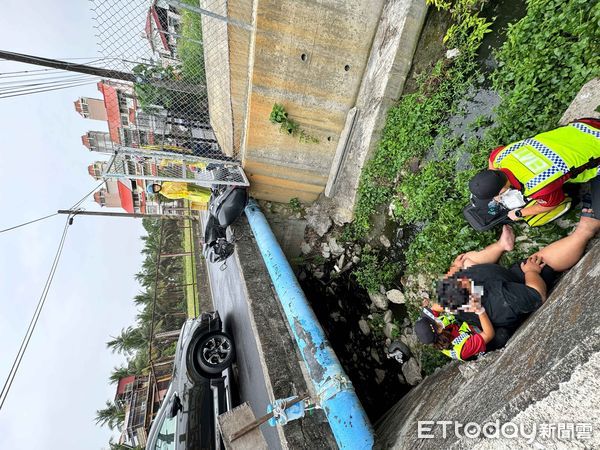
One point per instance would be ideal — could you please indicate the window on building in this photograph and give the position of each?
(123, 108)
(124, 120)
(127, 139)
(85, 109)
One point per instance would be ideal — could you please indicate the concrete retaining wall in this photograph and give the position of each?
(316, 89)
(389, 63)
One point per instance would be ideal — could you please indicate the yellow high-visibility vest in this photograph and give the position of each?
(538, 161)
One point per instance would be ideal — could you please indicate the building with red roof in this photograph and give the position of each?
(163, 25)
(127, 124)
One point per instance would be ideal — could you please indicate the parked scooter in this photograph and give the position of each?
(226, 205)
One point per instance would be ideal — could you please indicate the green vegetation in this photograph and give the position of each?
(296, 205)
(189, 46)
(377, 324)
(375, 270)
(189, 272)
(547, 57)
(161, 307)
(431, 359)
(279, 116)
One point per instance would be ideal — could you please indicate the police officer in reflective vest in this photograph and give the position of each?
(538, 167)
(455, 338)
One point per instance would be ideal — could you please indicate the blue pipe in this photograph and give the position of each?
(346, 416)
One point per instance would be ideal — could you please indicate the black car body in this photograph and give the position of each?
(198, 392)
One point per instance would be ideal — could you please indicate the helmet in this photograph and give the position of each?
(150, 188)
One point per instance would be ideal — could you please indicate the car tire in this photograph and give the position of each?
(214, 352)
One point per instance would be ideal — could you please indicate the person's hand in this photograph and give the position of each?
(533, 264)
(474, 306)
(512, 216)
(459, 261)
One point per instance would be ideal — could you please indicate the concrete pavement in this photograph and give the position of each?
(229, 298)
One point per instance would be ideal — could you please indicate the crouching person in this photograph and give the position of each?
(476, 290)
(455, 338)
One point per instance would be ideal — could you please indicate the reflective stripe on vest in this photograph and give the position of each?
(447, 319)
(459, 341)
(539, 161)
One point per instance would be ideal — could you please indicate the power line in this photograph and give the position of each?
(38, 310)
(29, 92)
(75, 206)
(12, 84)
(27, 223)
(36, 86)
(36, 315)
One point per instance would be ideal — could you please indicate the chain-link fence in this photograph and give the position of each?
(154, 165)
(178, 82)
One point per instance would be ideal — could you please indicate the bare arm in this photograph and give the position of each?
(536, 209)
(487, 332)
(529, 211)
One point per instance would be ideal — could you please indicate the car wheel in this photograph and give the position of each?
(215, 352)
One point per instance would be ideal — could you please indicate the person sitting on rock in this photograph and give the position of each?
(490, 301)
(527, 176)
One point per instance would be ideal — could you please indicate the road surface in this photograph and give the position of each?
(229, 299)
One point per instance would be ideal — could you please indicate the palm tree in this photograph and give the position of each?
(113, 415)
(118, 373)
(129, 340)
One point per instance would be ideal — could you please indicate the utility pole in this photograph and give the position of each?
(99, 71)
(76, 212)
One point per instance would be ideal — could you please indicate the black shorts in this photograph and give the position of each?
(549, 275)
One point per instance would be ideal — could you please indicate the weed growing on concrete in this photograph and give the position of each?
(286, 125)
(295, 205)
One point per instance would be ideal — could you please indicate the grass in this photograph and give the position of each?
(189, 48)
(189, 267)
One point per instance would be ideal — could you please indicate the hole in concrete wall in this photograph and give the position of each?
(346, 67)
(303, 57)
(329, 138)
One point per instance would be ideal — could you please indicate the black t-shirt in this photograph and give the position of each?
(507, 300)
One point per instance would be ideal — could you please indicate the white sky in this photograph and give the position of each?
(63, 378)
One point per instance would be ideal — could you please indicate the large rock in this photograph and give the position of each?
(364, 327)
(379, 300)
(412, 372)
(335, 248)
(395, 296)
(585, 104)
(390, 330)
(547, 374)
(317, 217)
(305, 248)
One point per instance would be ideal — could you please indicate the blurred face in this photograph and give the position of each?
(156, 188)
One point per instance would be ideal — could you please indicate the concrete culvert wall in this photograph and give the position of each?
(547, 376)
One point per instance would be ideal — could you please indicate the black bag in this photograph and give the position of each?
(481, 218)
